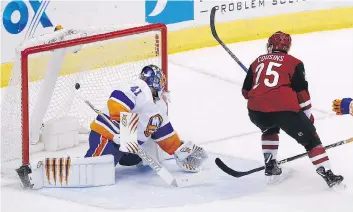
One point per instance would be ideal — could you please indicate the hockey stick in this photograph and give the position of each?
(215, 35)
(144, 155)
(238, 174)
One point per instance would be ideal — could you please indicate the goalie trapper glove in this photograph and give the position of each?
(343, 106)
(190, 157)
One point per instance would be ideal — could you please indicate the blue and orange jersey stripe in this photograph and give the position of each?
(167, 138)
(170, 144)
(101, 146)
(119, 102)
(99, 125)
(163, 132)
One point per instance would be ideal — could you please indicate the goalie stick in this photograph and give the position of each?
(238, 174)
(144, 155)
(215, 35)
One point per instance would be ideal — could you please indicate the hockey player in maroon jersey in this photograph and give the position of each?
(278, 98)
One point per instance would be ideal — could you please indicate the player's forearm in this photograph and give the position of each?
(115, 108)
(119, 102)
(300, 86)
(304, 101)
(170, 144)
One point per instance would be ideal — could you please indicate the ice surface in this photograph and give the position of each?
(142, 188)
(207, 108)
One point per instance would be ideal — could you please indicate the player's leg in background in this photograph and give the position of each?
(269, 140)
(300, 127)
(99, 145)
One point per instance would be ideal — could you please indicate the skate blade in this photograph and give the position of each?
(339, 187)
(277, 179)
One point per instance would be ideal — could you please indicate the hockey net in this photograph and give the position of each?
(46, 69)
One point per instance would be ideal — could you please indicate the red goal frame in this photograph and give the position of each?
(69, 43)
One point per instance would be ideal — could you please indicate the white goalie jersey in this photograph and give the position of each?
(136, 97)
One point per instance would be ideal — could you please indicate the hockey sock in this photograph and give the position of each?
(270, 144)
(319, 157)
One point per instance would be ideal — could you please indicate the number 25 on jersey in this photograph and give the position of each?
(270, 71)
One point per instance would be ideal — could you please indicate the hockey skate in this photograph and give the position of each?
(273, 172)
(271, 166)
(329, 177)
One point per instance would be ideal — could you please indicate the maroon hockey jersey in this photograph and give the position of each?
(276, 82)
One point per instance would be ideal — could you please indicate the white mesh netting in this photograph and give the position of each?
(99, 67)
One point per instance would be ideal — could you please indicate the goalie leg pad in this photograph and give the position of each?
(99, 145)
(69, 172)
(102, 146)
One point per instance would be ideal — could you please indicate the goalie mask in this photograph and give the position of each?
(155, 78)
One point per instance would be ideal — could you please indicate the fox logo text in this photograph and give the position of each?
(154, 123)
(16, 16)
(169, 12)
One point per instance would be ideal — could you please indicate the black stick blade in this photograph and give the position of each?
(234, 173)
(226, 169)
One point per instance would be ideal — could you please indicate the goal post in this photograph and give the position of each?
(46, 68)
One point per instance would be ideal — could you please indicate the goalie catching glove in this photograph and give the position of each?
(190, 157)
(343, 106)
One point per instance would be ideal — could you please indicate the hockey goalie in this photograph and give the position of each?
(145, 100)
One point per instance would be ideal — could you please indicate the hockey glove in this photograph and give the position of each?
(343, 106)
(190, 157)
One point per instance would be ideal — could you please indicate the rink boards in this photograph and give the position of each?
(230, 32)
